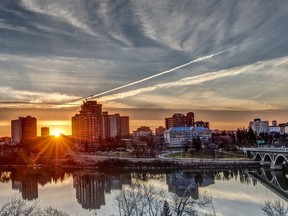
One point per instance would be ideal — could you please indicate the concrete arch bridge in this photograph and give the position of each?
(276, 157)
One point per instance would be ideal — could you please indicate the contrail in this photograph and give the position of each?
(171, 70)
(159, 74)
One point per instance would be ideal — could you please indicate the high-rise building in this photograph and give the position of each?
(180, 120)
(125, 126)
(105, 125)
(86, 126)
(114, 126)
(29, 128)
(45, 132)
(16, 131)
(23, 129)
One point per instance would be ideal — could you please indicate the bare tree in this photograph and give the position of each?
(185, 204)
(166, 209)
(139, 199)
(18, 207)
(53, 212)
(274, 209)
(145, 200)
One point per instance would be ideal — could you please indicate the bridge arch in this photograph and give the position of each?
(267, 158)
(268, 175)
(257, 157)
(282, 182)
(280, 159)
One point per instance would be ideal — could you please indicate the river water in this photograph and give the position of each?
(88, 192)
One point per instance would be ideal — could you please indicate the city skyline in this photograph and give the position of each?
(64, 126)
(224, 60)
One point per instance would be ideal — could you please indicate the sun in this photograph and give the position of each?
(57, 132)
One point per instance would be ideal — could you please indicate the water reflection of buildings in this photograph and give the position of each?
(27, 182)
(91, 187)
(182, 183)
(27, 187)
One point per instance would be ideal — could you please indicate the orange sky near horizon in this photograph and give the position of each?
(64, 126)
(59, 120)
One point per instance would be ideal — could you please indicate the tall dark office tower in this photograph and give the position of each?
(16, 131)
(23, 129)
(29, 128)
(86, 126)
(125, 126)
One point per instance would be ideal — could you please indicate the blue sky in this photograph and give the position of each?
(216, 55)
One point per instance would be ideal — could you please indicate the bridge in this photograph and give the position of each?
(276, 157)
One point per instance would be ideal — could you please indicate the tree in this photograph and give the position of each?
(186, 146)
(145, 200)
(166, 209)
(185, 204)
(139, 199)
(274, 209)
(197, 143)
(23, 208)
(19, 207)
(251, 137)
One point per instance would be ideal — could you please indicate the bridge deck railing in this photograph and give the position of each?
(267, 149)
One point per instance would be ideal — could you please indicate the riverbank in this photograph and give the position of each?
(76, 160)
(118, 164)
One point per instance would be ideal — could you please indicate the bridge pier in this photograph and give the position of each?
(265, 163)
(276, 166)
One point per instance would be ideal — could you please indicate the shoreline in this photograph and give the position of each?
(121, 164)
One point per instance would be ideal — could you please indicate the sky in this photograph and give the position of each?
(225, 60)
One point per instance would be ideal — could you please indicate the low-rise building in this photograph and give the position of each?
(274, 129)
(259, 126)
(178, 137)
(143, 131)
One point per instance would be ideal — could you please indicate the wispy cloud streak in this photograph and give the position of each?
(159, 74)
(11, 97)
(199, 79)
(194, 80)
(203, 58)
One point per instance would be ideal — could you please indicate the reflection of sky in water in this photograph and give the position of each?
(229, 197)
(236, 199)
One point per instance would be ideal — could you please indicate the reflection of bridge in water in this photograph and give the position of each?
(276, 181)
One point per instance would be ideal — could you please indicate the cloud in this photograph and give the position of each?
(222, 94)
(55, 8)
(159, 74)
(21, 98)
(92, 47)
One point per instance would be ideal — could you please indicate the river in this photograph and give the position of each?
(88, 192)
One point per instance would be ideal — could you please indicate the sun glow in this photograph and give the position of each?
(57, 132)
